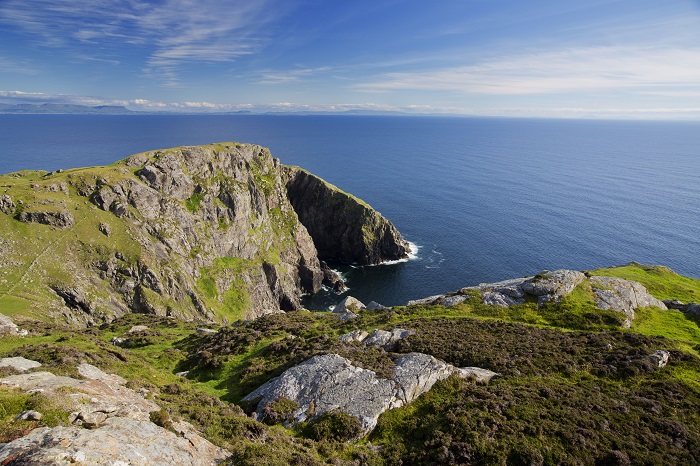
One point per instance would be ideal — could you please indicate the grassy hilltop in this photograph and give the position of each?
(575, 388)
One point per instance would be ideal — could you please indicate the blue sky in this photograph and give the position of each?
(543, 58)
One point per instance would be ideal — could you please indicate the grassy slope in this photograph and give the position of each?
(565, 396)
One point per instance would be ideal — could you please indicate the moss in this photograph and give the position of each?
(194, 202)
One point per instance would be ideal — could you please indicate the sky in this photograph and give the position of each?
(531, 58)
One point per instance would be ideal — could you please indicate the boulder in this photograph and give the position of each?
(346, 316)
(622, 295)
(119, 441)
(375, 306)
(330, 382)
(29, 415)
(7, 326)
(355, 335)
(137, 329)
(453, 300)
(7, 206)
(552, 286)
(661, 358)
(19, 363)
(348, 304)
(690, 308)
(385, 339)
(423, 301)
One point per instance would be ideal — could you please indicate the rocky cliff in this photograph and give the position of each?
(357, 234)
(207, 233)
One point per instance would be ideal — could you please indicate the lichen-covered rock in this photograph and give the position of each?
(661, 358)
(330, 382)
(7, 326)
(60, 219)
(375, 306)
(343, 227)
(355, 335)
(119, 441)
(111, 426)
(385, 339)
(552, 286)
(7, 205)
(545, 287)
(19, 363)
(428, 300)
(348, 304)
(622, 295)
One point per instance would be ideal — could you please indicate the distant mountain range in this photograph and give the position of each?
(65, 108)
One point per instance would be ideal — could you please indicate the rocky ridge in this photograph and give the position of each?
(110, 424)
(612, 293)
(212, 233)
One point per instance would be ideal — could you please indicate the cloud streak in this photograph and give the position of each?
(174, 32)
(561, 71)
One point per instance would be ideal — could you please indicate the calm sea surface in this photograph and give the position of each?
(484, 199)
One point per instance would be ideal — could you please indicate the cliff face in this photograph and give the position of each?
(343, 227)
(204, 233)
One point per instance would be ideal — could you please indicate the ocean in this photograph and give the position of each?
(483, 199)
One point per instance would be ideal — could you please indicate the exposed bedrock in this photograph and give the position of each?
(343, 227)
(210, 233)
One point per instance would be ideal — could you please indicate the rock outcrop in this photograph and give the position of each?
(622, 295)
(7, 205)
(545, 287)
(110, 425)
(612, 293)
(330, 382)
(343, 227)
(379, 338)
(210, 233)
(7, 326)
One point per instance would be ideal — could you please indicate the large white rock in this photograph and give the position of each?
(330, 382)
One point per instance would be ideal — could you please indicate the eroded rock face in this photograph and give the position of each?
(343, 227)
(111, 425)
(204, 233)
(60, 219)
(330, 382)
(622, 295)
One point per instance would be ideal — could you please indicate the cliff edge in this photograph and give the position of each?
(343, 227)
(199, 233)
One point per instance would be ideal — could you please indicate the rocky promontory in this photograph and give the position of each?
(211, 233)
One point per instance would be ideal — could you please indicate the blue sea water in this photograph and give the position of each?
(485, 199)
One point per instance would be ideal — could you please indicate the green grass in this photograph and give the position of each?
(193, 204)
(661, 282)
(671, 324)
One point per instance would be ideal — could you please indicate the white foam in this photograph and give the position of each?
(411, 255)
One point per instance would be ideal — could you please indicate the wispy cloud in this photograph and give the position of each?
(8, 65)
(560, 71)
(173, 32)
(296, 74)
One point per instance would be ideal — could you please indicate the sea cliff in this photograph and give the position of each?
(212, 233)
